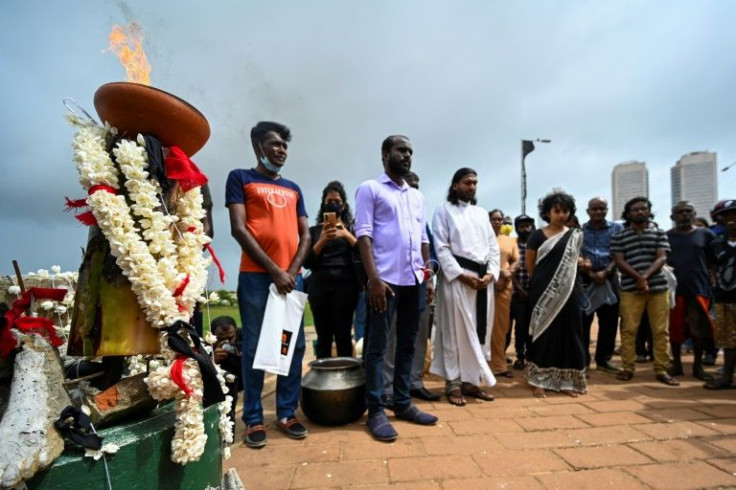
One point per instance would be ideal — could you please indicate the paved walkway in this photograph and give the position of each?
(639, 434)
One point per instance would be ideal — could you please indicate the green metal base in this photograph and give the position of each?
(143, 461)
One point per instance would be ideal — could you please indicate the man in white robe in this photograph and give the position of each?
(468, 254)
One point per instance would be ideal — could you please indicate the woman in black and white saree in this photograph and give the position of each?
(557, 354)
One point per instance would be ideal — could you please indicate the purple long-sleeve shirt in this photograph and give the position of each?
(394, 218)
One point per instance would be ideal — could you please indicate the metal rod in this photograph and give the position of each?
(19, 276)
(69, 102)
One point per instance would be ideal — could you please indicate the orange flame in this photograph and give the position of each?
(127, 43)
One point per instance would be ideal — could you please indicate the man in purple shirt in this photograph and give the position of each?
(393, 244)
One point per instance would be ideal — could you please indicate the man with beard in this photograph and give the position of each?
(640, 251)
(390, 226)
(469, 258)
(597, 234)
(689, 257)
(524, 225)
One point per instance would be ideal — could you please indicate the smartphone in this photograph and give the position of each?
(330, 218)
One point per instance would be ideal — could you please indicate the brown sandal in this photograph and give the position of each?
(456, 398)
(476, 392)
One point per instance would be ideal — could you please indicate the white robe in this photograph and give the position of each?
(463, 230)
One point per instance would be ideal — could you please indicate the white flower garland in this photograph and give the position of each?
(155, 260)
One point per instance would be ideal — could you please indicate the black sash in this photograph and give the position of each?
(481, 299)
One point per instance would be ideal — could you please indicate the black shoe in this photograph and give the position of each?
(519, 364)
(607, 367)
(424, 394)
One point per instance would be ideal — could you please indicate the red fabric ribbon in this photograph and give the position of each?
(100, 187)
(74, 204)
(87, 218)
(211, 250)
(217, 263)
(177, 375)
(182, 286)
(29, 324)
(179, 167)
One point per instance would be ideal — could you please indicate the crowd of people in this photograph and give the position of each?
(376, 269)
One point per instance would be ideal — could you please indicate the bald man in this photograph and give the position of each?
(597, 233)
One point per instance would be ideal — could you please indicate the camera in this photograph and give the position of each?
(229, 348)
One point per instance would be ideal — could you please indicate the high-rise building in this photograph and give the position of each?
(628, 180)
(695, 179)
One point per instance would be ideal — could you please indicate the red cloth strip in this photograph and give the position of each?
(182, 286)
(181, 168)
(100, 187)
(75, 203)
(87, 218)
(14, 319)
(217, 263)
(177, 375)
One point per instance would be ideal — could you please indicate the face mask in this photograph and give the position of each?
(270, 166)
(506, 229)
(332, 207)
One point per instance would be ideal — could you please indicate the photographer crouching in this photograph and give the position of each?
(227, 354)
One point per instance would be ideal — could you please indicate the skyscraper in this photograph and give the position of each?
(695, 179)
(628, 180)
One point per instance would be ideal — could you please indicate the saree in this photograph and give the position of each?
(557, 354)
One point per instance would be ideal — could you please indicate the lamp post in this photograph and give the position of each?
(527, 146)
(728, 167)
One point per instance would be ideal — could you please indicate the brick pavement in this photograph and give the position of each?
(639, 434)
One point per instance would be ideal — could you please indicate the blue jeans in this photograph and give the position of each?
(405, 305)
(252, 298)
(360, 316)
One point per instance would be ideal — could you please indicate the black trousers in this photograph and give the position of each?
(607, 330)
(520, 314)
(333, 294)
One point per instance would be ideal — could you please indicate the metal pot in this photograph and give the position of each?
(333, 391)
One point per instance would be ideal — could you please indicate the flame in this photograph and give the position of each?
(127, 43)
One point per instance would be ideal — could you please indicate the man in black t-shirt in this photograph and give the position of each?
(689, 256)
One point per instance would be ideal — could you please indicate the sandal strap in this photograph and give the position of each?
(254, 428)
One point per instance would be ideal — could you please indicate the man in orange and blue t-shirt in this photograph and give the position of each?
(269, 221)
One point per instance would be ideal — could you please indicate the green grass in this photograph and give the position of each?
(212, 312)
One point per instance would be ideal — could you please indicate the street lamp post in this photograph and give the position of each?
(527, 146)
(728, 167)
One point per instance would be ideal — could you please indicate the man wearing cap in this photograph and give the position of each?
(597, 234)
(724, 291)
(524, 225)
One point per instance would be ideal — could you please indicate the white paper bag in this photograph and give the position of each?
(279, 331)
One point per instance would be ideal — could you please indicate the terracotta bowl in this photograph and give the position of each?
(134, 108)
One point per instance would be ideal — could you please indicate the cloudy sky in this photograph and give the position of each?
(607, 82)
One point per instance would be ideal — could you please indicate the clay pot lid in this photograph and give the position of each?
(134, 108)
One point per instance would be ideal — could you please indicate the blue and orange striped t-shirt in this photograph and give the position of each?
(272, 209)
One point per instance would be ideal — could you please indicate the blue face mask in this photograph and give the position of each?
(267, 163)
(269, 166)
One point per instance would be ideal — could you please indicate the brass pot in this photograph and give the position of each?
(333, 391)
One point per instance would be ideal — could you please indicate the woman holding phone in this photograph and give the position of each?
(333, 286)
